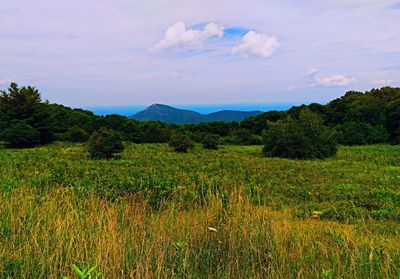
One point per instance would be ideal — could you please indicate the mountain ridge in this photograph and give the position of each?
(169, 114)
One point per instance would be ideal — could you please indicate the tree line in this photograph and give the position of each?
(356, 118)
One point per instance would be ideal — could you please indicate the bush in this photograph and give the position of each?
(20, 135)
(181, 143)
(104, 144)
(76, 134)
(302, 138)
(210, 141)
(359, 133)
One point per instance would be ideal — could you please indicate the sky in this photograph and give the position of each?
(130, 52)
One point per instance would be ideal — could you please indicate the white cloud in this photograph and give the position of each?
(334, 80)
(257, 44)
(381, 82)
(291, 87)
(178, 34)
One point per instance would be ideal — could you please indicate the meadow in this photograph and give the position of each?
(229, 213)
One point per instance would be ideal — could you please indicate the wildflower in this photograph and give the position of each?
(316, 214)
(211, 229)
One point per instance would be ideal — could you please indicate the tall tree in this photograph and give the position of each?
(25, 104)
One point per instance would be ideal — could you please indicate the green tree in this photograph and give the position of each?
(359, 133)
(181, 143)
(393, 118)
(20, 135)
(25, 104)
(104, 144)
(20, 103)
(303, 138)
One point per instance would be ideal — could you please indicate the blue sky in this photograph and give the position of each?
(131, 52)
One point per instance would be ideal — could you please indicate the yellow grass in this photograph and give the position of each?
(51, 230)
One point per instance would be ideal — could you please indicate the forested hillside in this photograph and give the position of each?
(359, 118)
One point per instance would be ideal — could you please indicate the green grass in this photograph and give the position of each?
(360, 182)
(146, 214)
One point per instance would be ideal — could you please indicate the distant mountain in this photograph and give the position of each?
(180, 116)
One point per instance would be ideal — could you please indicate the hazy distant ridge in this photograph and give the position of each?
(180, 116)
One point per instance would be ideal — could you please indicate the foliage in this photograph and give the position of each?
(359, 133)
(75, 134)
(219, 128)
(242, 137)
(20, 103)
(104, 144)
(25, 104)
(258, 124)
(20, 135)
(210, 141)
(302, 138)
(181, 143)
(378, 108)
(154, 132)
(86, 273)
(396, 136)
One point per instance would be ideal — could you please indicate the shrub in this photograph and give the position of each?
(76, 134)
(181, 143)
(210, 141)
(302, 138)
(20, 135)
(104, 144)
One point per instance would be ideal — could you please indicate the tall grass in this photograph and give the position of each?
(42, 236)
(148, 214)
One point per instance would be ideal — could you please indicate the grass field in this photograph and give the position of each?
(148, 213)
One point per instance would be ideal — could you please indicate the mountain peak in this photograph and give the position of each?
(165, 113)
(157, 105)
(152, 106)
